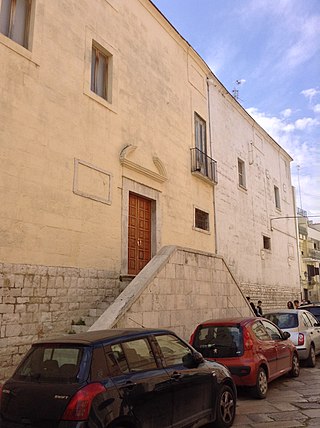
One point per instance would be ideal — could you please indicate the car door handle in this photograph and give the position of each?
(176, 375)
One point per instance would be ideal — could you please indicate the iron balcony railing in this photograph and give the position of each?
(314, 254)
(302, 212)
(203, 165)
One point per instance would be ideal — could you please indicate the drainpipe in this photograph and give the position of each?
(210, 83)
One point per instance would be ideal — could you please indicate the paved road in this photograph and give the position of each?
(291, 402)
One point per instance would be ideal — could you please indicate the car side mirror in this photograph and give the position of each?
(192, 360)
(285, 335)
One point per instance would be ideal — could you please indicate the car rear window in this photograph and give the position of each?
(51, 363)
(285, 320)
(219, 341)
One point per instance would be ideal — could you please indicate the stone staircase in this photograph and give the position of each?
(82, 324)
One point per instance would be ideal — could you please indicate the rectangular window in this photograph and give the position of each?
(200, 134)
(266, 243)
(100, 73)
(15, 20)
(241, 173)
(201, 219)
(277, 197)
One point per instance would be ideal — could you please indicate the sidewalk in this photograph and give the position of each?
(291, 402)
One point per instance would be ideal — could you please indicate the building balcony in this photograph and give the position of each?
(315, 254)
(203, 166)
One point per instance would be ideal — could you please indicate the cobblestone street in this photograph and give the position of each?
(291, 402)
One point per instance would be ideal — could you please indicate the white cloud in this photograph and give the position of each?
(277, 127)
(305, 123)
(310, 93)
(287, 112)
(316, 108)
(307, 44)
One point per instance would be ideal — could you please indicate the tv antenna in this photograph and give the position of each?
(235, 90)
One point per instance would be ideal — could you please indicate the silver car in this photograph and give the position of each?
(304, 331)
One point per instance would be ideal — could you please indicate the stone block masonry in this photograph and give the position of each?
(178, 289)
(42, 301)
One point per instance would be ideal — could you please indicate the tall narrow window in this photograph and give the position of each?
(15, 20)
(277, 197)
(241, 173)
(200, 133)
(100, 73)
(201, 145)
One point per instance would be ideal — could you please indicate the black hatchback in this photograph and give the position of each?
(117, 378)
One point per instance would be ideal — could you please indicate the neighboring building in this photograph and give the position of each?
(109, 143)
(254, 204)
(309, 243)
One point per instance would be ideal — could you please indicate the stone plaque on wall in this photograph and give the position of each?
(92, 182)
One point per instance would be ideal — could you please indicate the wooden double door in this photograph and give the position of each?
(139, 233)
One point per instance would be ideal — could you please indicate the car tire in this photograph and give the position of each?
(295, 368)
(261, 387)
(226, 407)
(311, 360)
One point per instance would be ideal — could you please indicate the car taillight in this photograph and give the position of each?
(79, 407)
(301, 339)
(248, 343)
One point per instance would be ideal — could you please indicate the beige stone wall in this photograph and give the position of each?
(177, 290)
(41, 302)
(244, 215)
(65, 175)
(57, 211)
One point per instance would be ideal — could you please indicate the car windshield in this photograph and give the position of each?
(283, 320)
(51, 363)
(219, 341)
(315, 311)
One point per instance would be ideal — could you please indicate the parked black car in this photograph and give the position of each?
(132, 378)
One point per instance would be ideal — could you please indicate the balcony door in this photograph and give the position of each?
(139, 233)
(201, 144)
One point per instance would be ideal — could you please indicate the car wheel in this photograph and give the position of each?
(226, 407)
(261, 387)
(295, 368)
(311, 360)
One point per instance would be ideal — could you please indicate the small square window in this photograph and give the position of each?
(266, 243)
(241, 173)
(277, 197)
(101, 64)
(201, 219)
(15, 20)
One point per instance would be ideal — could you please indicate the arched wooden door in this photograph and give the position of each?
(139, 233)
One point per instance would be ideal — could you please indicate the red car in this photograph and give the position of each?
(254, 349)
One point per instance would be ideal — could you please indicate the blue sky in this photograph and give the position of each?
(273, 48)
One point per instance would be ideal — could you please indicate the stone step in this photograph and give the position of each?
(94, 313)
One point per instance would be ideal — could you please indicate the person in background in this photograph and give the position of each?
(252, 306)
(290, 305)
(296, 304)
(259, 309)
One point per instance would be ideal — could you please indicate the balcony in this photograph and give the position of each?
(315, 254)
(302, 212)
(203, 166)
